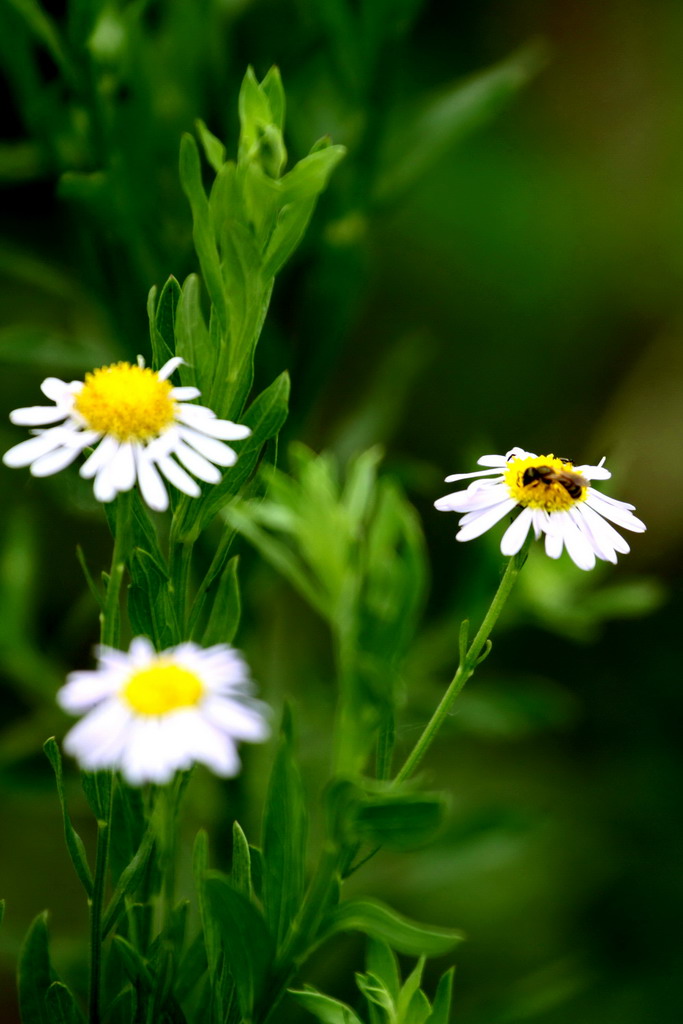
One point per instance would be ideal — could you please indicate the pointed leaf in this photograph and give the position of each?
(265, 416)
(248, 945)
(225, 607)
(326, 1009)
(441, 1007)
(284, 840)
(240, 874)
(214, 150)
(203, 232)
(163, 333)
(61, 1005)
(128, 882)
(74, 843)
(193, 343)
(35, 973)
(381, 961)
(381, 922)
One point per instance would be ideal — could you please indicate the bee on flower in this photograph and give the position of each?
(149, 714)
(142, 430)
(554, 498)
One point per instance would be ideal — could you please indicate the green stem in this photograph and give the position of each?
(467, 666)
(96, 908)
(109, 616)
(180, 562)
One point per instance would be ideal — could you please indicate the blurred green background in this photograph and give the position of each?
(469, 283)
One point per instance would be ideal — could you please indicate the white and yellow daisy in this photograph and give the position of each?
(141, 427)
(554, 497)
(150, 714)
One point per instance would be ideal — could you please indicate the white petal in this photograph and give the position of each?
(56, 390)
(238, 720)
(468, 476)
(516, 533)
(196, 463)
(519, 453)
(212, 747)
(54, 461)
(177, 476)
(184, 394)
(553, 544)
(579, 548)
(152, 488)
(38, 415)
(616, 512)
(493, 460)
(29, 451)
(104, 453)
(85, 689)
(98, 740)
(170, 367)
(141, 652)
(606, 540)
(215, 451)
(485, 520)
(122, 467)
(148, 757)
(593, 472)
(474, 500)
(201, 418)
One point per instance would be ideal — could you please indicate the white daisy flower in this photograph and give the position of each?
(554, 497)
(141, 427)
(149, 715)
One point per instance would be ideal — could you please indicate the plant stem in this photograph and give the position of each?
(96, 906)
(466, 667)
(109, 616)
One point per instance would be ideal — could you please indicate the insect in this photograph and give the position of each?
(572, 482)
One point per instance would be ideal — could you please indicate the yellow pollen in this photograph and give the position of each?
(128, 402)
(544, 489)
(161, 688)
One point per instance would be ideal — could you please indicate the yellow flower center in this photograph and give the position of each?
(544, 481)
(128, 402)
(161, 688)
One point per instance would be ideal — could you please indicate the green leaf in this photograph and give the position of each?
(248, 945)
(193, 343)
(377, 813)
(203, 232)
(214, 149)
(35, 973)
(401, 822)
(225, 607)
(61, 1005)
(441, 1007)
(163, 333)
(97, 789)
(381, 922)
(212, 942)
(418, 141)
(410, 989)
(192, 968)
(294, 217)
(285, 827)
(273, 89)
(128, 882)
(2, 911)
(150, 607)
(240, 874)
(74, 843)
(381, 961)
(376, 994)
(265, 416)
(326, 1009)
